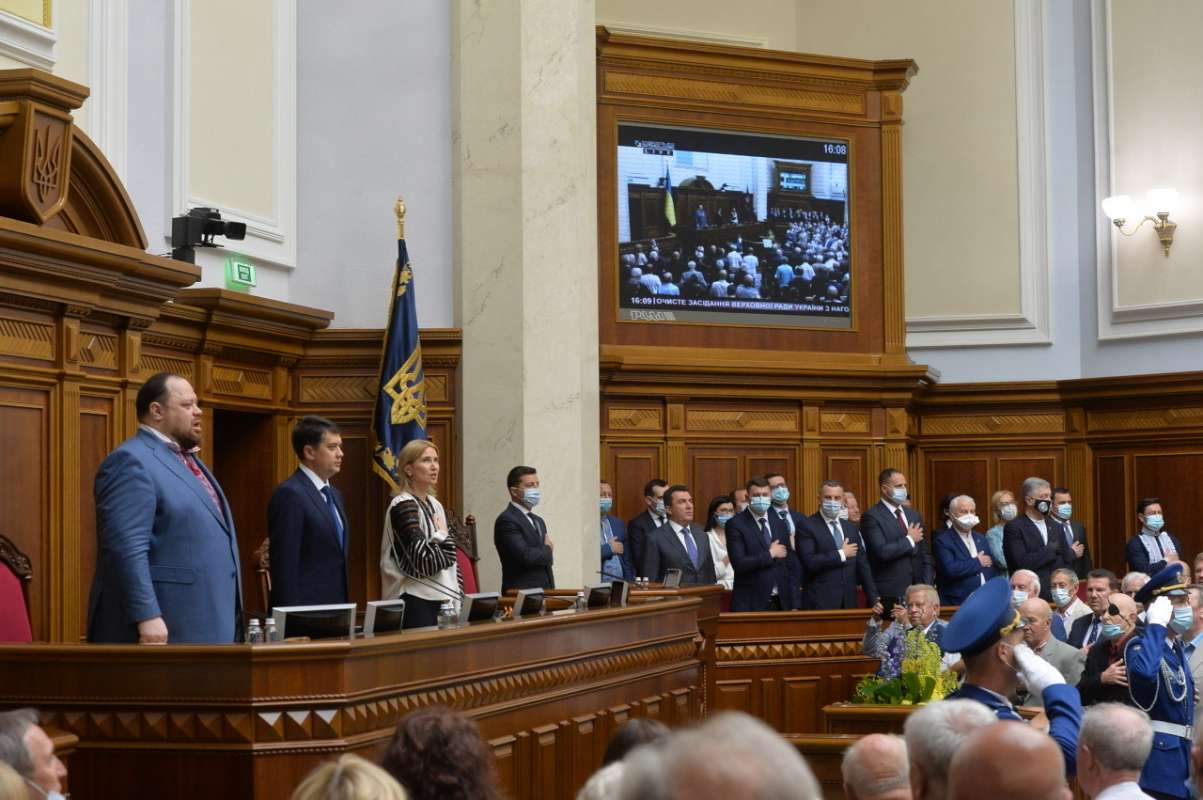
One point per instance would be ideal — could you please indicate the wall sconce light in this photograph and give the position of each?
(1161, 202)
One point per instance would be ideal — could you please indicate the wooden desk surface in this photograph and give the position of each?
(252, 720)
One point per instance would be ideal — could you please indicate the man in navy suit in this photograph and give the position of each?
(963, 560)
(167, 554)
(758, 545)
(614, 556)
(779, 494)
(307, 524)
(1153, 548)
(1030, 542)
(894, 536)
(521, 537)
(1086, 629)
(680, 544)
(1061, 516)
(642, 526)
(833, 557)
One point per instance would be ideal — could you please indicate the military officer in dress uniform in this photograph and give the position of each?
(1160, 682)
(987, 630)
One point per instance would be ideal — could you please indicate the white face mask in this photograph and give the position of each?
(966, 522)
(1007, 512)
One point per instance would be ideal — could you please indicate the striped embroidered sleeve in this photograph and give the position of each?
(416, 554)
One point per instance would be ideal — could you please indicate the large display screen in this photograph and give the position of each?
(732, 228)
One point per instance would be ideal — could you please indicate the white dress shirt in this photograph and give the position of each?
(1128, 790)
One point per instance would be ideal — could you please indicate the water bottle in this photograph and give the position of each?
(447, 615)
(580, 601)
(270, 633)
(254, 632)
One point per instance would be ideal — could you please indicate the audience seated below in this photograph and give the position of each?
(876, 768)
(25, 747)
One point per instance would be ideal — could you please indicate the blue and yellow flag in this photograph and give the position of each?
(400, 415)
(670, 210)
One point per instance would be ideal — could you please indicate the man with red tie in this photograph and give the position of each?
(894, 536)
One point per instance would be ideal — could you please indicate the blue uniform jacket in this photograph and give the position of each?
(1168, 764)
(1062, 705)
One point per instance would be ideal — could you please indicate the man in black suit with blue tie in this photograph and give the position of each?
(893, 533)
(307, 524)
(832, 555)
(680, 544)
(759, 548)
(521, 537)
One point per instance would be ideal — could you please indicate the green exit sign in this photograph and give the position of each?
(240, 274)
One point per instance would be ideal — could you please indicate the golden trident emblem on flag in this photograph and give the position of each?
(407, 388)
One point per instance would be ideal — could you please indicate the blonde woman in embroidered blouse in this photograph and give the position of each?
(417, 554)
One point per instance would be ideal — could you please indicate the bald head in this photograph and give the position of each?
(1008, 759)
(1038, 616)
(876, 768)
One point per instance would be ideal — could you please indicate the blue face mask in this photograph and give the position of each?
(1111, 630)
(780, 494)
(1183, 617)
(1061, 597)
(759, 504)
(658, 509)
(723, 519)
(832, 508)
(898, 494)
(531, 497)
(1065, 510)
(605, 504)
(1154, 522)
(1018, 596)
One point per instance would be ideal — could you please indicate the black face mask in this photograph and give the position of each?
(1043, 506)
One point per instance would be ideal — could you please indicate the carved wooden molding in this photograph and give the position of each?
(776, 651)
(1053, 422)
(845, 422)
(1145, 419)
(760, 420)
(634, 419)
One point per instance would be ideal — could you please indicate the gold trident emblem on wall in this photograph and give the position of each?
(47, 163)
(408, 391)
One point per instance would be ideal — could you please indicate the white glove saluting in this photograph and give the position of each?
(1160, 611)
(1037, 673)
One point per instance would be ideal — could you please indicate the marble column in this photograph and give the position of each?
(525, 230)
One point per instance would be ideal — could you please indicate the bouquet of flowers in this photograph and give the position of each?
(912, 672)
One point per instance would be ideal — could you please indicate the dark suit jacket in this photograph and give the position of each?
(794, 562)
(163, 549)
(1025, 549)
(830, 582)
(896, 564)
(1081, 566)
(525, 560)
(757, 572)
(1077, 632)
(665, 551)
(1138, 557)
(620, 533)
(638, 530)
(958, 574)
(308, 565)
(1091, 686)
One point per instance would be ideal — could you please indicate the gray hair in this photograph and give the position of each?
(956, 501)
(935, 731)
(603, 784)
(1032, 485)
(1032, 577)
(1119, 736)
(922, 588)
(731, 751)
(14, 725)
(1133, 576)
(876, 764)
(1067, 572)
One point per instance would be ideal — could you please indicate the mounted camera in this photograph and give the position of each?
(197, 229)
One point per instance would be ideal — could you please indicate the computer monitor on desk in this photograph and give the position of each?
(528, 603)
(478, 607)
(315, 622)
(384, 616)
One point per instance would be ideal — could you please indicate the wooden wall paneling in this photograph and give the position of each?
(545, 751)
(25, 493)
(800, 703)
(505, 754)
(1013, 469)
(628, 467)
(580, 736)
(366, 498)
(850, 466)
(98, 435)
(712, 475)
(1115, 517)
(954, 473)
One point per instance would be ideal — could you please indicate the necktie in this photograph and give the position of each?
(1093, 633)
(901, 518)
(606, 533)
(764, 531)
(837, 534)
(1069, 535)
(190, 462)
(691, 547)
(338, 522)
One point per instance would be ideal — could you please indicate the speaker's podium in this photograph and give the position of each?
(249, 721)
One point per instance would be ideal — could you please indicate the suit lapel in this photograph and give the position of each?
(176, 467)
(318, 501)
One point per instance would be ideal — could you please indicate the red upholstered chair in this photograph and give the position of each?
(15, 574)
(466, 554)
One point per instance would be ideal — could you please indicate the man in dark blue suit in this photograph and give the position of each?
(615, 562)
(1088, 628)
(1030, 542)
(779, 494)
(963, 560)
(680, 544)
(758, 545)
(521, 538)
(641, 527)
(307, 524)
(894, 536)
(833, 557)
(167, 554)
(1153, 548)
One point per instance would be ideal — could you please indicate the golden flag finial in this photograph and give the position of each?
(399, 210)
